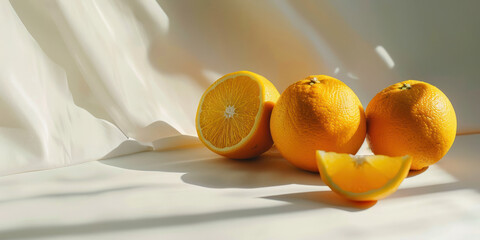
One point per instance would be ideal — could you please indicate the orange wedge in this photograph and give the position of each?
(362, 178)
(233, 115)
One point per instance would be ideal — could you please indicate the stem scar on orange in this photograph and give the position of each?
(318, 112)
(411, 117)
(234, 113)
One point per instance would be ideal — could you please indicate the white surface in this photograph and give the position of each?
(79, 78)
(194, 194)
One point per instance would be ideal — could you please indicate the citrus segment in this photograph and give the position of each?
(233, 115)
(362, 178)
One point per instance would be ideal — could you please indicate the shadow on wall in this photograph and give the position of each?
(165, 52)
(226, 41)
(43, 29)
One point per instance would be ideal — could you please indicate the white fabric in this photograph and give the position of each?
(80, 80)
(194, 194)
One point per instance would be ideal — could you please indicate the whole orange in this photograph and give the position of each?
(411, 117)
(317, 113)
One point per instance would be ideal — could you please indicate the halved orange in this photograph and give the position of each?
(362, 178)
(234, 113)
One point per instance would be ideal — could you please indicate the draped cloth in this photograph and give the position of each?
(86, 80)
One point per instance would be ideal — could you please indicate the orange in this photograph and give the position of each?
(318, 112)
(362, 178)
(234, 113)
(414, 118)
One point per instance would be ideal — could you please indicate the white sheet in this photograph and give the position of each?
(195, 194)
(79, 78)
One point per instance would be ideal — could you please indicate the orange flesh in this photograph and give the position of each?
(361, 174)
(229, 111)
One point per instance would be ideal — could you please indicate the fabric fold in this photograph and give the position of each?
(86, 80)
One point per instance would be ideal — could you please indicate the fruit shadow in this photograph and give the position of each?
(461, 163)
(206, 169)
(299, 202)
(322, 199)
(413, 173)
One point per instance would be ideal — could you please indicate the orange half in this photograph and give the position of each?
(234, 113)
(362, 178)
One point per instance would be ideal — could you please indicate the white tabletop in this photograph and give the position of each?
(194, 194)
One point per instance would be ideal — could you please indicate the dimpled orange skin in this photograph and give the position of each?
(414, 118)
(324, 115)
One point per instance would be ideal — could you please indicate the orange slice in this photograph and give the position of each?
(362, 178)
(233, 115)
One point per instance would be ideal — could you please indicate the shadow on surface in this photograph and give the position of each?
(76, 194)
(461, 162)
(297, 203)
(417, 191)
(322, 198)
(206, 169)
